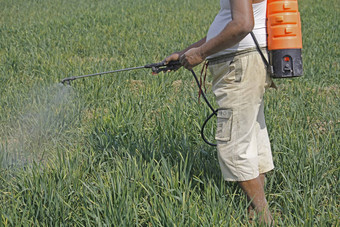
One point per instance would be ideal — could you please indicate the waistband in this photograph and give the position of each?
(229, 57)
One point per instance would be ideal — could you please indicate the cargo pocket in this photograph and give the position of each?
(224, 125)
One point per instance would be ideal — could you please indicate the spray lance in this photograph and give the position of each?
(157, 68)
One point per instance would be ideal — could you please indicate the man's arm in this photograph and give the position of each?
(242, 23)
(175, 56)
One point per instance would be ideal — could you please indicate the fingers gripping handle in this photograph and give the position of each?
(163, 67)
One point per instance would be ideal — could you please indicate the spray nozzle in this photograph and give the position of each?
(68, 80)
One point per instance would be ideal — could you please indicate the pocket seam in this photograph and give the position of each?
(224, 125)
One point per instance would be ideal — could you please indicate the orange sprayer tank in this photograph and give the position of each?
(284, 38)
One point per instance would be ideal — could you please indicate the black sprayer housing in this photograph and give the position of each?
(286, 63)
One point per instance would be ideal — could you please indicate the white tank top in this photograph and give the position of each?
(224, 17)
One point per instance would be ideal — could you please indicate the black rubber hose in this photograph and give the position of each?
(214, 112)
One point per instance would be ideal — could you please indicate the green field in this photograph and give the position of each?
(125, 149)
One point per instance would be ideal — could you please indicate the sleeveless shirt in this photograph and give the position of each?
(224, 17)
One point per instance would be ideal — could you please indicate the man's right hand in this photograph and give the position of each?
(173, 57)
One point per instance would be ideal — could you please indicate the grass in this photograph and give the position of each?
(125, 149)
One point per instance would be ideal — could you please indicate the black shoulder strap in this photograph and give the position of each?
(269, 67)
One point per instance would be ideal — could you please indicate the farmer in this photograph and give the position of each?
(239, 82)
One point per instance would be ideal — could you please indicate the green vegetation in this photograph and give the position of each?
(124, 149)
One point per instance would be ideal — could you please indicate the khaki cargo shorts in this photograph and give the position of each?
(239, 83)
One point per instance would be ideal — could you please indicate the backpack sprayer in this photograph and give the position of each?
(284, 47)
(157, 68)
(284, 39)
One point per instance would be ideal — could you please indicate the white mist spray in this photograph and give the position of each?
(45, 119)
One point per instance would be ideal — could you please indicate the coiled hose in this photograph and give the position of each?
(214, 112)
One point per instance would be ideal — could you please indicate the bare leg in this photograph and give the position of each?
(262, 179)
(254, 190)
(251, 211)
